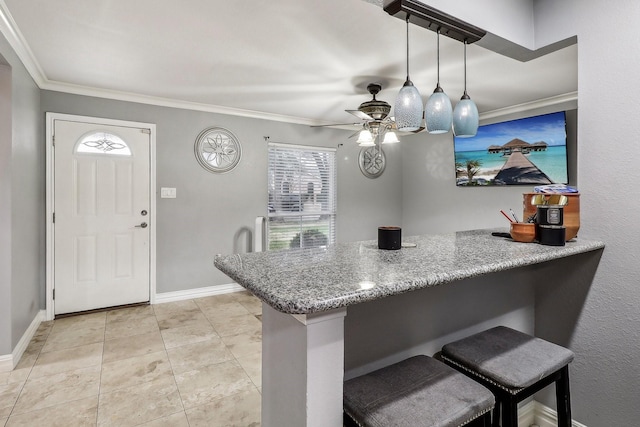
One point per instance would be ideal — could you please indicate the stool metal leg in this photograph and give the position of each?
(510, 412)
(563, 398)
(496, 414)
(487, 419)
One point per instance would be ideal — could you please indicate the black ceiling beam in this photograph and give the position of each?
(434, 20)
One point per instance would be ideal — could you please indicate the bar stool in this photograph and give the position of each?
(514, 366)
(416, 392)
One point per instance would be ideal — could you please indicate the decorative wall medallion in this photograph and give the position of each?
(372, 161)
(218, 150)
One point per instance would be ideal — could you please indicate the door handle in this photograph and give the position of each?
(143, 225)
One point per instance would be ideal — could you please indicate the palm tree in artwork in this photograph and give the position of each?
(472, 166)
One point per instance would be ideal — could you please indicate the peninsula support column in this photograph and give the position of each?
(302, 368)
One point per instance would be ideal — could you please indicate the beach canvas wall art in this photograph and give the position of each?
(529, 151)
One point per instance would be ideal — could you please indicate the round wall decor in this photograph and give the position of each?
(217, 150)
(372, 161)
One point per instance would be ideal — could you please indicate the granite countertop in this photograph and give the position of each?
(303, 281)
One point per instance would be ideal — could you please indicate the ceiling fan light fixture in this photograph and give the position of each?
(465, 116)
(438, 112)
(408, 106)
(390, 137)
(365, 139)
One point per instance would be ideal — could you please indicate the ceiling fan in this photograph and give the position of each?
(375, 120)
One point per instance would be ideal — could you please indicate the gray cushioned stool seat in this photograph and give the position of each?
(514, 366)
(511, 358)
(419, 391)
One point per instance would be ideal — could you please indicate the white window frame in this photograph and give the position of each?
(307, 212)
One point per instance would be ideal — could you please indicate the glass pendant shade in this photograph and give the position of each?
(390, 137)
(438, 112)
(465, 118)
(408, 108)
(365, 139)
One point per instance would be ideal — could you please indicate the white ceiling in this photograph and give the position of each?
(308, 60)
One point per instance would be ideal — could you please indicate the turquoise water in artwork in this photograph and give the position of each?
(552, 162)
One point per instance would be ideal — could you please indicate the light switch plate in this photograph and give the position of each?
(167, 193)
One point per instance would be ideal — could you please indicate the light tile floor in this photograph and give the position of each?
(187, 363)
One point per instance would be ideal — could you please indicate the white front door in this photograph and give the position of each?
(101, 206)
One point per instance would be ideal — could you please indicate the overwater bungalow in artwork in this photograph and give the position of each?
(517, 144)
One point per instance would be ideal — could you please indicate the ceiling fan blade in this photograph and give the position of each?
(359, 114)
(354, 134)
(336, 124)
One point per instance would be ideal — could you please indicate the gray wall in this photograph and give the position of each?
(211, 209)
(5, 209)
(22, 256)
(421, 322)
(605, 331)
(432, 203)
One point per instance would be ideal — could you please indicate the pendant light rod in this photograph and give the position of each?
(408, 46)
(438, 56)
(465, 67)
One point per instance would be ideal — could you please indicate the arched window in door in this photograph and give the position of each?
(102, 143)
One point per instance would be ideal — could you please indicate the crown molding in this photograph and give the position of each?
(13, 35)
(171, 103)
(566, 101)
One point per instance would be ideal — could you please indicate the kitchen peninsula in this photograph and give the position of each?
(307, 293)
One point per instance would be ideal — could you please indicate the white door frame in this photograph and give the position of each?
(50, 169)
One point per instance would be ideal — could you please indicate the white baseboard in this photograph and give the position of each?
(527, 414)
(545, 417)
(536, 414)
(196, 293)
(9, 361)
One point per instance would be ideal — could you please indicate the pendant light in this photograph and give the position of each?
(438, 112)
(408, 107)
(465, 115)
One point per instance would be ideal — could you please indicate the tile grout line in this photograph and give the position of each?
(173, 374)
(104, 340)
(28, 375)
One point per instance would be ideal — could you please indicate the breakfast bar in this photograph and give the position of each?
(307, 293)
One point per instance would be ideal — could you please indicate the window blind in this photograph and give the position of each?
(302, 197)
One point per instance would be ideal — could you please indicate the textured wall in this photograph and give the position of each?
(606, 331)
